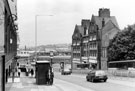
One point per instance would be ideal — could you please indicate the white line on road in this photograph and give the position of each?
(67, 86)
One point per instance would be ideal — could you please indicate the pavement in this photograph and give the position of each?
(28, 83)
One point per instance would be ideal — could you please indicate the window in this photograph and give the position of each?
(85, 29)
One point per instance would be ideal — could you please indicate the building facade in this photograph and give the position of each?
(85, 25)
(8, 33)
(76, 45)
(96, 34)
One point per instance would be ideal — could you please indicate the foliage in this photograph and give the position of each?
(122, 46)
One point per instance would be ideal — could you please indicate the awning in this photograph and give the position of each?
(85, 60)
(92, 61)
(76, 62)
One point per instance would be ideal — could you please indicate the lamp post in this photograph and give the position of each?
(36, 17)
(51, 56)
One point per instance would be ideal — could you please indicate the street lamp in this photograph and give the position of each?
(36, 16)
(51, 56)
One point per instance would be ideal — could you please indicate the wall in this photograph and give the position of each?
(1, 35)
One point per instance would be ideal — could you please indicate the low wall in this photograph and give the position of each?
(121, 73)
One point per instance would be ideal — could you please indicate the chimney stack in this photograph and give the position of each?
(104, 12)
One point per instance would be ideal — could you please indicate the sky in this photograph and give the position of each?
(56, 19)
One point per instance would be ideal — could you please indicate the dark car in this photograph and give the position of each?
(96, 75)
(22, 68)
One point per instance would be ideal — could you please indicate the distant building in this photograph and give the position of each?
(25, 53)
(91, 39)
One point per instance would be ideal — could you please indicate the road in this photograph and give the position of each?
(80, 81)
(66, 83)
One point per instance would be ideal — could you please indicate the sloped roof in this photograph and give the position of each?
(109, 35)
(109, 26)
(78, 29)
(98, 20)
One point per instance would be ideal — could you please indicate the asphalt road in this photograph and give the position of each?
(65, 83)
(97, 86)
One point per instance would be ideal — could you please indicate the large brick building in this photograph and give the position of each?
(8, 38)
(91, 39)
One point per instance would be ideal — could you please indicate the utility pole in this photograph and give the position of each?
(36, 28)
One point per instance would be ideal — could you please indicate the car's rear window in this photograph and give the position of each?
(100, 73)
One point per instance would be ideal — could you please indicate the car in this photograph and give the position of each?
(96, 75)
(22, 68)
(66, 71)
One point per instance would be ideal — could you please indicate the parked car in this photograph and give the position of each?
(66, 71)
(96, 75)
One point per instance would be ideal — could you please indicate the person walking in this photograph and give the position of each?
(32, 72)
(19, 72)
(51, 76)
(13, 74)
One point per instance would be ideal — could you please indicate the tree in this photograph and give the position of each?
(122, 46)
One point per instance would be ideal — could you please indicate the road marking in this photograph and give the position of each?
(67, 86)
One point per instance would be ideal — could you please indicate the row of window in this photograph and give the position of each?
(21, 52)
(94, 53)
(92, 38)
(93, 45)
(76, 55)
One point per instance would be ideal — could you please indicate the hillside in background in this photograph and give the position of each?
(64, 47)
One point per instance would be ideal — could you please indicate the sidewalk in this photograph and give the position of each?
(9, 84)
(27, 83)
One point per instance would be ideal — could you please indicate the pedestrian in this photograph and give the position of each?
(32, 72)
(13, 74)
(52, 76)
(19, 72)
(47, 77)
(27, 72)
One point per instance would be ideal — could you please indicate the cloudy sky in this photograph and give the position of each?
(59, 17)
